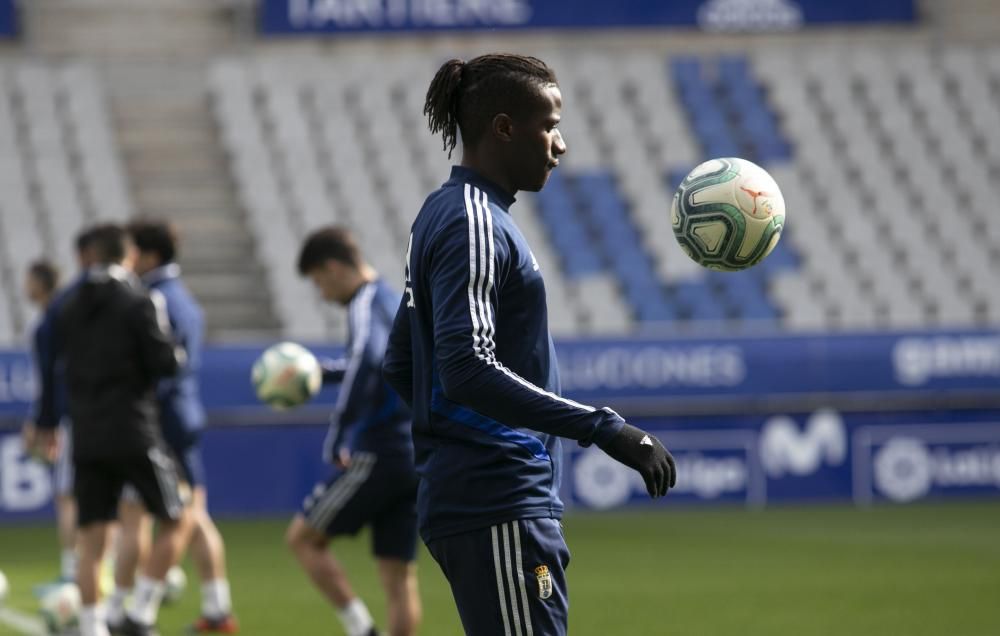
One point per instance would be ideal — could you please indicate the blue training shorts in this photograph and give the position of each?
(373, 490)
(508, 579)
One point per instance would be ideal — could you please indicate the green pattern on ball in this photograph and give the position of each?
(273, 362)
(687, 216)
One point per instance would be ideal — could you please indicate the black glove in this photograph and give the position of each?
(643, 452)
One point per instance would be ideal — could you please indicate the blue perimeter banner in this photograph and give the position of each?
(286, 17)
(8, 19)
(824, 455)
(650, 377)
(753, 461)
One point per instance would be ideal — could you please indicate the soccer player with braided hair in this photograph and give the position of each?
(470, 350)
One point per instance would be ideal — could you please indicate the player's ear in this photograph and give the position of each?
(503, 127)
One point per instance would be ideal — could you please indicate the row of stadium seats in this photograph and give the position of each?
(317, 142)
(883, 154)
(888, 197)
(59, 168)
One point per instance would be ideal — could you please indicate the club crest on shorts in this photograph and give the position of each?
(544, 581)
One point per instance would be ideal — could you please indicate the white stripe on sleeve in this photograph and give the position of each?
(479, 215)
(473, 269)
(360, 312)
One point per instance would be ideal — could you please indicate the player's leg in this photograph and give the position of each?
(539, 553)
(156, 478)
(97, 488)
(208, 552)
(399, 580)
(509, 578)
(135, 539)
(66, 507)
(341, 506)
(92, 545)
(209, 555)
(66, 522)
(311, 549)
(394, 542)
(207, 548)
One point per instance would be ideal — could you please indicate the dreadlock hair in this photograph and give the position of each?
(465, 96)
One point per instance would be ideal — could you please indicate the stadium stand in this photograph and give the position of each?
(59, 169)
(314, 142)
(631, 140)
(311, 135)
(896, 239)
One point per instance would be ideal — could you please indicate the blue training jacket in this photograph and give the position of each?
(369, 416)
(182, 414)
(471, 349)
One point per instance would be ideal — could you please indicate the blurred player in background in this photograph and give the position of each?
(471, 351)
(108, 335)
(182, 418)
(369, 445)
(41, 286)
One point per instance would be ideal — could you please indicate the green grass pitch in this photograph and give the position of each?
(910, 571)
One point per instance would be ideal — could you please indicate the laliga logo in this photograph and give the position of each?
(907, 468)
(903, 469)
(601, 482)
(786, 449)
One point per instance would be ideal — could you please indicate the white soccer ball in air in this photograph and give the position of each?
(286, 375)
(59, 606)
(4, 588)
(728, 214)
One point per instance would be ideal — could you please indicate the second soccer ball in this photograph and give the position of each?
(286, 375)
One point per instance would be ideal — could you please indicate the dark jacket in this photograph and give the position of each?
(470, 351)
(115, 352)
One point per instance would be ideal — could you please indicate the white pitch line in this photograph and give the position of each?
(23, 623)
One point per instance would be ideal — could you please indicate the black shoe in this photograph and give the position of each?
(115, 629)
(131, 628)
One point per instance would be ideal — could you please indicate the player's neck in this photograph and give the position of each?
(365, 274)
(483, 164)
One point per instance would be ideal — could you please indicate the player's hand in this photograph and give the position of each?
(644, 453)
(28, 436)
(46, 446)
(343, 459)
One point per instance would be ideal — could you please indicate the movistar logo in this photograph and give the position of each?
(785, 448)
